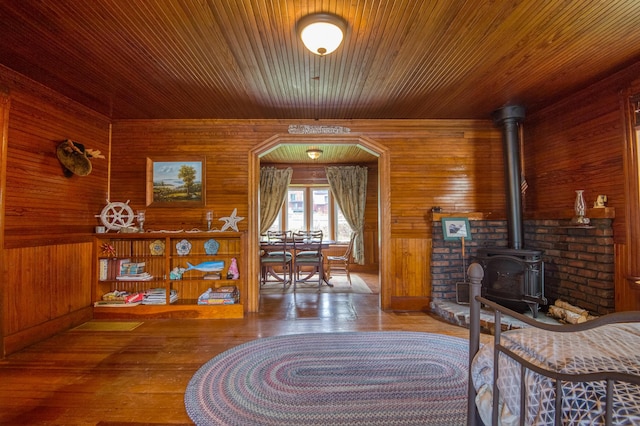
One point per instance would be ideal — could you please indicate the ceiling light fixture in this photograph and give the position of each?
(314, 153)
(322, 33)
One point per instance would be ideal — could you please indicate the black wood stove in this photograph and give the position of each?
(513, 276)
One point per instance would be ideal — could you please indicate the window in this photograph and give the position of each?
(296, 210)
(312, 207)
(343, 230)
(320, 210)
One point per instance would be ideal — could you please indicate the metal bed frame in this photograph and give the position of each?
(475, 273)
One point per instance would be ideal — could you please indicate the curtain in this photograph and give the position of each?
(273, 191)
(349, 187)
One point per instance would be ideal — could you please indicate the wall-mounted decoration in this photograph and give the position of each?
(304, 129)
(456, 228)
(175, 183)
(117, 216)
(74, 158)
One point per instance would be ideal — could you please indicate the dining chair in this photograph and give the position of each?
(315, 236)
(277, 254)
(343, 261)
(308, 256)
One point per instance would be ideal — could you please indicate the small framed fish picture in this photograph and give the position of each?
(176, 183)
(456, 228)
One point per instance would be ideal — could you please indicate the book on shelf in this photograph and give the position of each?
(115, 303)
(224, 292)
(145, 276)
(158, 296)
(104, 269)
(119, 264)
(132, 268)
(217, 302)
(225, 295)
(226, 289)
(109, 268)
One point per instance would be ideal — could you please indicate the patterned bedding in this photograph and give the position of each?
(614, 347)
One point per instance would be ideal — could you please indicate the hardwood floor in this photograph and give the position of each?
(139, 376)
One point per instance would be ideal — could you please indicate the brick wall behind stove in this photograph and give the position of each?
(579, 262)
(447, 264)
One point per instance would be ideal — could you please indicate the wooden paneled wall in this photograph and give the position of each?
(48, 218)
(579, 143)
(454, 164)
(49, 291)
(42, 205)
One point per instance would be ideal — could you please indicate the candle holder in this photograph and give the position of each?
(580, 208)
(141, 218)
(209, 219)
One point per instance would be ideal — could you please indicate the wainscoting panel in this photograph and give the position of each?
(411, 258)
(45, 284)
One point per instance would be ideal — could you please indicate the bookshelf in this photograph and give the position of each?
(181, 265)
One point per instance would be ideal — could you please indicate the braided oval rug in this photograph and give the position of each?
(351, 378)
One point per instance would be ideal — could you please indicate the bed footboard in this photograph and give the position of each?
(475, 273)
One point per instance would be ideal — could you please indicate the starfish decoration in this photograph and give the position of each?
(231, 221)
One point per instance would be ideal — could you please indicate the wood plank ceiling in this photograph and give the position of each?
(242, 59)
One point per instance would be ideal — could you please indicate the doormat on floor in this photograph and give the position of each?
(108, 326)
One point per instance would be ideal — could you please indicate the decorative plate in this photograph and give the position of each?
(157, 248)
(211, 246)
(183, 247)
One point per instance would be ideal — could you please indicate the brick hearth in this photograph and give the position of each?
(579, 262)
(457, 314)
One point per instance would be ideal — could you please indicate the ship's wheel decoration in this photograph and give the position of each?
(116, 215)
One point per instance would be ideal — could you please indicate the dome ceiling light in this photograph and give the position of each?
(322, 33)
(314, 153)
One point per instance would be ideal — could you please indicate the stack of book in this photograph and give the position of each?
(133, 271)
(227, 295)
(158, 296)
(120, 298)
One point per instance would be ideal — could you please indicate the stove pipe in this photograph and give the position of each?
(509, 117)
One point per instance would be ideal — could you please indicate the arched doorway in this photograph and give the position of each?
(384, 214)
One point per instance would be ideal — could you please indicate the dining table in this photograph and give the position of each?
(277, 246)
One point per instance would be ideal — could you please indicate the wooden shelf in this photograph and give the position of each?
(137, 248)
(594, 213)
(173, 311)
(437, 216)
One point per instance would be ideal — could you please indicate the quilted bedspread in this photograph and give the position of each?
(614, 347)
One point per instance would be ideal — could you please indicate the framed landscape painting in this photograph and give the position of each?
(175, 183)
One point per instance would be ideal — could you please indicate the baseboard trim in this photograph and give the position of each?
(20, 340)
(414, 304)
